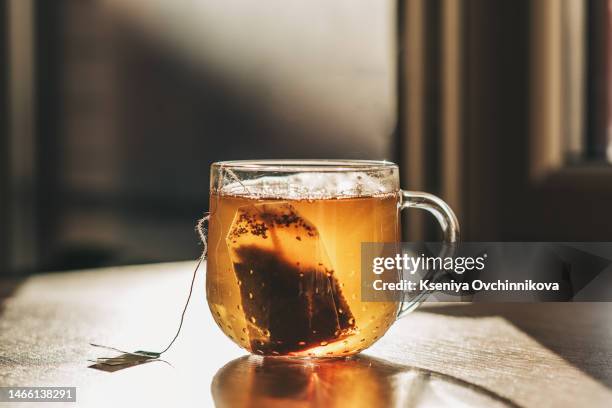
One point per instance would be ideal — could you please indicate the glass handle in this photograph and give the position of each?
(448, 222)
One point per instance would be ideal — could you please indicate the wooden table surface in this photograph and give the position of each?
(529, 355)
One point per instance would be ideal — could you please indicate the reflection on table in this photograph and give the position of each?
(359, 381)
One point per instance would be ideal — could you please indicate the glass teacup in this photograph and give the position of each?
(284, 239)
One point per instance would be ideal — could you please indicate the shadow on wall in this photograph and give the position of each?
(151, 96)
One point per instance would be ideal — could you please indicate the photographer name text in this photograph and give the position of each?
(458, 287)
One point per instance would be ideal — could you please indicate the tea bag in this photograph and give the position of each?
(290, 297)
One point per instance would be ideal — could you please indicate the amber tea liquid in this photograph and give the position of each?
(284, 276)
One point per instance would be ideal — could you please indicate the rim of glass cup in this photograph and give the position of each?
(306, 165)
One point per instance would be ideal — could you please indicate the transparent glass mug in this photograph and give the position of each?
(283, 271)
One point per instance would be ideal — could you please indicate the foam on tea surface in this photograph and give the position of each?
(314, 185)
(290, 297)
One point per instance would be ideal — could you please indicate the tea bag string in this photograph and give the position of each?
(232, 175)
(178, 331)
(201, 229)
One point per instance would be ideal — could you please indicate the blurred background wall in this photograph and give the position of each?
(134, 100)
(112, 111)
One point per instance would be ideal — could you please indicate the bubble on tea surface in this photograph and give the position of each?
(315, 185)
(290, 296)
